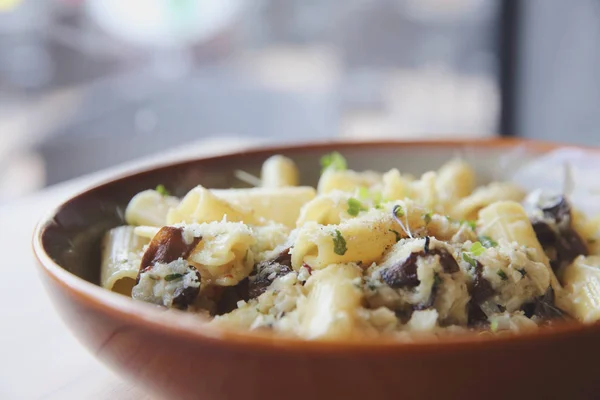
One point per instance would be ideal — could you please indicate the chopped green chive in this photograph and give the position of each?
(398, 211)
(363, 193)
(502, 275)
(427, 218)
(339, 244)
(477, 249)
(522, 271)
(470, 224)
(333, 161)
(470, 260)
(377, 198)
(355, 206)
(494, 325)
(487, 241)
(172, 277)
(161, 189)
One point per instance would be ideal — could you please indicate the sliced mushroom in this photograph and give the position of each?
(555, 233)
(175, 284)
(267, 271)
(480, 290)
(166, 246)
(404, 274)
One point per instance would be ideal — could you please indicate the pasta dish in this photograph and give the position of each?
(362, 254)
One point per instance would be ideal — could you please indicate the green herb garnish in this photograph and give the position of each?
(427, 218)
(477, 249)
(339, 244)
(494, 325)
(172, 277)
(398, 237)
(363, 193)
(522, 271)
(502, 275)
(470, 260)
(471, 224)
(366, 194)
(487, 241)
(334, 161)
(355, 206)
(377, 199)
(161, 189)
(398, 211)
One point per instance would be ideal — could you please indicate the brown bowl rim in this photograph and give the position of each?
(196, 327)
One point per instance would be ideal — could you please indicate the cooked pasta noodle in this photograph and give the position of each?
(363, 254)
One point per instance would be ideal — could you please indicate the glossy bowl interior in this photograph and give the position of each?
(177, 355)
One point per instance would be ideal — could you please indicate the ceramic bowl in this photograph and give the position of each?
(176, 355)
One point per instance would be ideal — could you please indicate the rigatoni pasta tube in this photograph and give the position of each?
(346, 181)
(455, 180)
(121, 256)
(352, 241)
(362, 239)
(200, 205)
(468, 207)
(581, 282)
(149, 208)
(279, 171)
(281, 205)
(395, 186)
(329, 311)
(508, 220)
(326, 209)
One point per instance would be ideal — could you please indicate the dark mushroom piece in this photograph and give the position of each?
(230, 295)
(544, 307)
(555, 233)
(480, 290)
(184, 295)
(404, 274)
(166, 246)
(267, 271)
(175, 284)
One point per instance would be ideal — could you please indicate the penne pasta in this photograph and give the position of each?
(121, 256)
(468, 207)
(333, 300)
(201, 205)
(149, 208)
(581, 281)
(279, 171)
(364, 254)
(280, 205)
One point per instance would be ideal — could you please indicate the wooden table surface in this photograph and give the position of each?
(39, 357)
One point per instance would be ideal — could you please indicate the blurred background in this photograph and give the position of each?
(88, 84)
